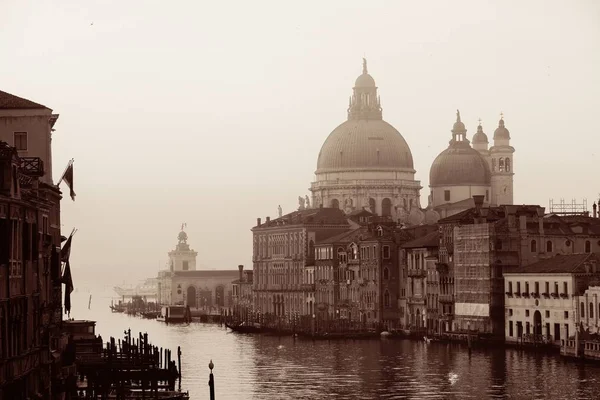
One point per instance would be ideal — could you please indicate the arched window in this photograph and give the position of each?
(493, 165)
(334, 203)
(354, 250)
(591, 310)
(501, 164)
(386, 207)
(548, 246)
(372, 205)
(507, 165)
(582, 307)
(386, 299)
(533, 246)
(386, 273)
(588, 246)
(379, 231)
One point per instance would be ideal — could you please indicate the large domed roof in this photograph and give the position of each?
(459, 166)
(365, 141)
(364, 144)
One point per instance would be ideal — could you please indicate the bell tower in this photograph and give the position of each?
(502, 166)
(182, 258)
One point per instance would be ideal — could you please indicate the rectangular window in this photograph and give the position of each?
(547, 291)
(537, 288)
(527, 287)
(510, 328)
(510, 288)
(527, 328)
(556, 288)
(386, 252)
(527, 313)
(566, 315)
(547, 314)
(446, 195)
(510, 312)
(21, 141)
(565, 288)
(519, 288)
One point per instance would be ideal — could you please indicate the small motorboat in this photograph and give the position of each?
(245, 328)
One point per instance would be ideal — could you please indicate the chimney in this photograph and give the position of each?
(241, 268)
(478, 200)
(257, 221)
(268, 219)
(594, 207)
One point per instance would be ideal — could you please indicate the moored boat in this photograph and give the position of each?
(174, 314)
(245, 328)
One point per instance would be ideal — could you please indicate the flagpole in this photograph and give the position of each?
(65, 171)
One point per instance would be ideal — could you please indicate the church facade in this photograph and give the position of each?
(463, 171)
(183, 284)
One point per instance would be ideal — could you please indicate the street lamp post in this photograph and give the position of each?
(211, 381)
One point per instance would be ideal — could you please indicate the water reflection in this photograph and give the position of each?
(259, 367)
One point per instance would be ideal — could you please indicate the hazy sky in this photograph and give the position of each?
(213, 112)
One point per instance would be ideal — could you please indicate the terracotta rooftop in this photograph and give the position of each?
(11, 102)
(325, 215)
(432, 239)
(560, 264)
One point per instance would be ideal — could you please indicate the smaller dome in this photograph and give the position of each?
(458, 126)
(364, 80)
(480, 136)
(501, 132)
(182, 236)
(459, 164)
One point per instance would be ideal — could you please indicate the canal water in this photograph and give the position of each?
(260, 367)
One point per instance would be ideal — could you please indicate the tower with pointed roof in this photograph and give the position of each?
(502, 167)
(365, 163)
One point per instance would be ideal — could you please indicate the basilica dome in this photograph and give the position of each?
(364, 144)
(365, 141)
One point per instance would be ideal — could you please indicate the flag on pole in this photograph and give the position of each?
(68, 178)
(67, 279)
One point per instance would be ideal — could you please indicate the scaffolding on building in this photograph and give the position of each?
(565, 208)
(472, 269)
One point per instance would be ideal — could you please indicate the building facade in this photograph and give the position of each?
(243, 307)
(283, 259)
(30, 276)
(28, 127)
(421, 257)
(544, 300)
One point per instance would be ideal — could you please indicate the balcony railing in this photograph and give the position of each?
(417, 273)
(446, 298)
(308, 287)
(32, 166)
